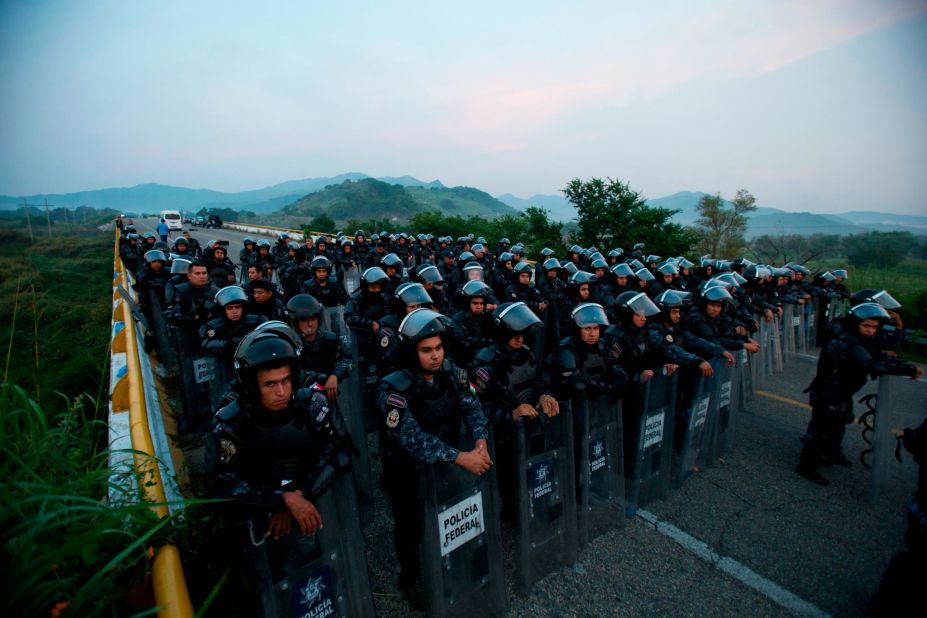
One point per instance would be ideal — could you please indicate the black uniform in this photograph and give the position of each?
(324, 357)
(423, 421)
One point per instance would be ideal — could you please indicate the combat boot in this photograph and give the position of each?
(808, 466)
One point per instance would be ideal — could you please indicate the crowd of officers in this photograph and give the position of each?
(453, 337)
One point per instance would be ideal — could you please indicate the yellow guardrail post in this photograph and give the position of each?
(170, 586)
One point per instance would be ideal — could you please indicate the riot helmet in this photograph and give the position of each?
(510, 319)
(263, 349)
(231, 295)
(303, 306)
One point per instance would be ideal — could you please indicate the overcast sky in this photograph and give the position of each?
(810, 105)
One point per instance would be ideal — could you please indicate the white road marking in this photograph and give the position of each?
(735, 569)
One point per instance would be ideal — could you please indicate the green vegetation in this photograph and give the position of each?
(55, 311)
(370, 198)
(721, 228)
(65, 548)
(611, 214)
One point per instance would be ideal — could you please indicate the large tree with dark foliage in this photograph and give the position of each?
(610, 214)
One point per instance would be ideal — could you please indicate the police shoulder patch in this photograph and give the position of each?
(384, 341)
(227, 451)
(392, 419)
(616, 350)
(669, 338)
(210, 333)
(482, 374)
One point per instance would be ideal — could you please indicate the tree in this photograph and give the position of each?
(783, 248)
(322, 223)
(611, 215)
(722, 228)
(885, 249)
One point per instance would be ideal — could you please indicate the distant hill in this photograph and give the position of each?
(153, 197)
(369, 198)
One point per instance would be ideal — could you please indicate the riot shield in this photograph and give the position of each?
(333, 320)
(545, 535)
(886, 417)
(462, 544)
(364, 352)
(330, 574)
(194, 375)
(777, 337)
(722, 410)
(788, 331)
(600, 466)
(351, 406)
(218, 380)
(538, 338)
(351, 279)
(699, 428)
(161, 329)
(651, 475)
(747, 384)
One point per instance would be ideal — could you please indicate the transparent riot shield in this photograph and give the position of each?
(798, 323)
(651, 475)
(363, 351)
(218, 380)
(788, 331)
(600, 466)
(161, 329)
(699, 428)
(885, 417)
(194, 375)
(777, 337)
(545, 535)
(351, 406)
(539, 338)
(462, 544)
(329, 577)
(747, 385)
(811, 324)
(333, 320)
(351, 279)
(722, 411)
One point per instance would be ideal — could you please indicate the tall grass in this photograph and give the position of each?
(64, 545)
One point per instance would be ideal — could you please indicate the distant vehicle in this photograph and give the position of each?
(214, 221)
(173, 219)
(199, 220)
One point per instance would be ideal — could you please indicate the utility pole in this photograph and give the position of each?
(47, 218)
(28, 220)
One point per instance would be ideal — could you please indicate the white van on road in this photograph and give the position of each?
(173, 219)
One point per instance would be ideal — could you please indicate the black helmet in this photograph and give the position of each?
(841, 272)
(577, 279)
(574, 249)
(644, 275)
(282, 329)
(473, 266)
(523, 267)
(417, 326)
(672, 298)
(870, 295)
(303, 306)
(320, 262)
(373, 275)
(410, 294)
(427, 273)
(391, 260)
(504, 241)
(180, 266)
(630, 303)
(869, 311)
(589, 314)
(505, 256)
(570, 267)
(155, 255)
(668, 269)
(463, 258)
(622, 270)
(669, 300)
(231, 295)
(511, 319)
(263, 243)
(262, 348)
(635, 265)
(599, 263)
(715, 294)
(475, 289)
(547, 252)
(551, 264)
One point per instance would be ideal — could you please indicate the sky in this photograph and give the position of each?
(810, 105)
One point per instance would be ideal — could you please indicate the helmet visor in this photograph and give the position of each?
(589, 314)
(642, 305)
(517, 316)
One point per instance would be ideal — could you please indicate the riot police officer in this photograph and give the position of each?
(423, 406)
(322, 359)
(275, 451)
(583, 364)
(220, 336)
(844, 366)
(472, 323)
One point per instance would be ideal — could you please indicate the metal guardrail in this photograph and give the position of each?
(129, 428)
